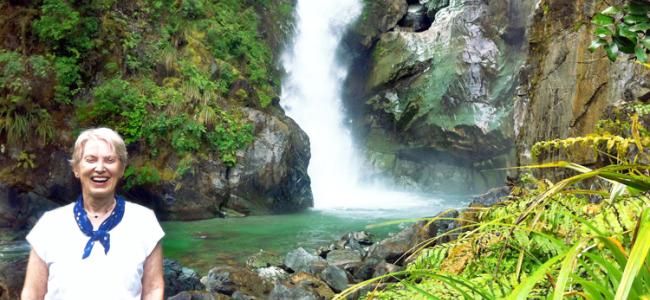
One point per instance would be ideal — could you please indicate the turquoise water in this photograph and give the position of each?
(208, 243)
(204, 244)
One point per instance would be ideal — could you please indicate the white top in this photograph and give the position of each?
(59, 242)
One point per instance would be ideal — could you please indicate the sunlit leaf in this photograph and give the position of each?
(641, 55)
(611, 11)
(601, 19)
(612, 51)
(635, 19)
(641, 27)
(637, 257)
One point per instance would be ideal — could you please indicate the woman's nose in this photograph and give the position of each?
(99, 167)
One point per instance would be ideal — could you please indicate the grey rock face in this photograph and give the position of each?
(228, 280)
(300, 260)
(439, 101)
(12, 276)
(340, 258)
(378, 17)
(282, 292)
(335, 277)
(178, 278)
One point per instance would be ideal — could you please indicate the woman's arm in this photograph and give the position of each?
(153, 284)
(36, 278)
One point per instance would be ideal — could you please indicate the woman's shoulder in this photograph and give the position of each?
(137, 209)
(61, 211)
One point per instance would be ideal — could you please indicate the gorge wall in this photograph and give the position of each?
(565, 89)
(430, 95)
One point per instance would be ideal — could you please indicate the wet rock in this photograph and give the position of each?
(335, 277)
(272, 273)
(430, 106)
(416, 18)
(197, 295)
(178, 278)
(379, 16)
(491, 197)
(241, 296)
(367, 268)
(12, 275)
(282, 292)
(341, 258)
(263, 259)
(227, 280)
(384, 268)
(313, 284)
(362, 237)
(272, 173)
(270, 176)
(300, 260)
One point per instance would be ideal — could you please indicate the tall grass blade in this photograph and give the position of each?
(593, 290)
(568, 265)
(419, 290)
(637, 257)
(522, 290)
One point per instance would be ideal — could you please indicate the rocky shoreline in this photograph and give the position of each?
(320, 273)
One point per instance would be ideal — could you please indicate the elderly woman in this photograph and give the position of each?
(100, 246)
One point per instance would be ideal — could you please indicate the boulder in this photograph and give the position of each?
(12, 276)
(263, 259)
(178, 278)
(367, 268)
(491, 197)
(227, 280)
(341, 258)
(335, 277)
(384, 268)
(313, 284)
(272, 273)
(300, 260)
(282, 292)
(197, 295)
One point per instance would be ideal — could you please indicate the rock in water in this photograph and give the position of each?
(12, 275)
(335, 277)
(178, 278)
(300, 260)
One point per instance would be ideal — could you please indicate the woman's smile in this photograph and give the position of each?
(99, 169)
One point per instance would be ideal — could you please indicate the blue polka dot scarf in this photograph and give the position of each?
(101, 234)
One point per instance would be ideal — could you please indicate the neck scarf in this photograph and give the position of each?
(101, 234)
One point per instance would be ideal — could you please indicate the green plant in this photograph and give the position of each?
(26, 160)
(140, 175)
(623, 30)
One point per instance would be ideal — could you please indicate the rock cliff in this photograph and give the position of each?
(565, 89)
(431, 90)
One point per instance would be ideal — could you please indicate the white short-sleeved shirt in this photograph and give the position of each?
(59, 242)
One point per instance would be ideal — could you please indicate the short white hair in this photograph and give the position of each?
(112, 138)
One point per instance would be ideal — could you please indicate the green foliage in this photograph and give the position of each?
(138, 176)
(21, 116)
(26, 160)
(63, 27)
(623, 30)
(118, 105)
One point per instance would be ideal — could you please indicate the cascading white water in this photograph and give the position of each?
(311, 95)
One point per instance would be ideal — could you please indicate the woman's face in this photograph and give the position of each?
(99, 169)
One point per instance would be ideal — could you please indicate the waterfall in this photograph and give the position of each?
(311, 95)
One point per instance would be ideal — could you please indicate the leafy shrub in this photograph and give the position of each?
(623, 30)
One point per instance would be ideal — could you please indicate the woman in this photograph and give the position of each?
(100, 246)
